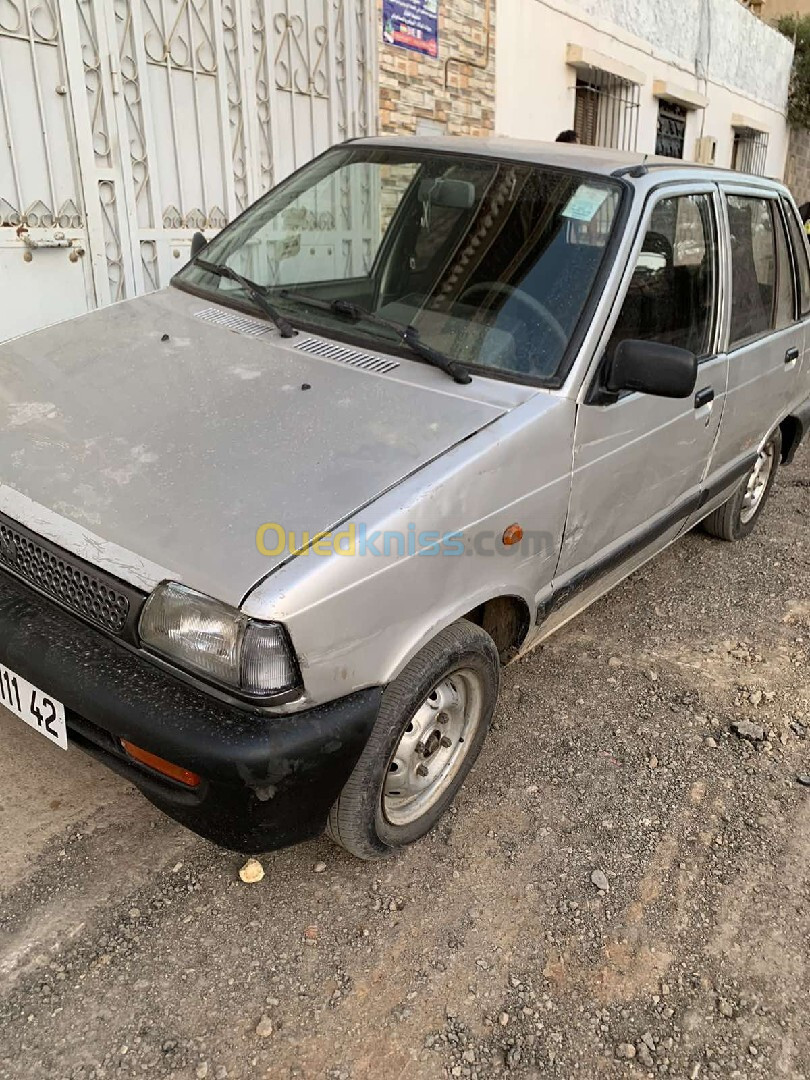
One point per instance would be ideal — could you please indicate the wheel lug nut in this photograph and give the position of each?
(421, 770)
(446, 741)
(442, 717)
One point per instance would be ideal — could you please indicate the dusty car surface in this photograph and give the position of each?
(267, 536)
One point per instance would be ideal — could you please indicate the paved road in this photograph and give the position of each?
(130, 948)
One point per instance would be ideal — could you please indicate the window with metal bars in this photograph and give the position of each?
(606, 110)
(750, 151)
(669, 140)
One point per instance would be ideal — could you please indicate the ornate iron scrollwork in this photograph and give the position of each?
(301, 56)
(185, 40)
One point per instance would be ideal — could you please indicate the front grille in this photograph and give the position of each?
(65, 579)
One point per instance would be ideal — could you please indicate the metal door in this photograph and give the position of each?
(217, 100)
(157, 118)
(45, 274)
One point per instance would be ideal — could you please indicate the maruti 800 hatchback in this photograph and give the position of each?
(267, 535)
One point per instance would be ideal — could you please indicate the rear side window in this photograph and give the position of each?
(753, 267)
(800, 252)
(672, 294)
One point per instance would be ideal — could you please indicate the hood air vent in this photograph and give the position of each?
(232, 320)
(330, 351)
(244, 324)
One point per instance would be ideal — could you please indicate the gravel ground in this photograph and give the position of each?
(131, 948)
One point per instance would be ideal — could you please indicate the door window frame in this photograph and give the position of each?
(790, 213)
(774, 196)
(592, 391)
(794, 270)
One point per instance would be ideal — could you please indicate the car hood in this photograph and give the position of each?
(155, 443)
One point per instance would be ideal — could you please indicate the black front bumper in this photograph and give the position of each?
(267, 781)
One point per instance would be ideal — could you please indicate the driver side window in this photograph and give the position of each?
(671, 298)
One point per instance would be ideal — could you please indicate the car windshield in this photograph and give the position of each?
(491, 261)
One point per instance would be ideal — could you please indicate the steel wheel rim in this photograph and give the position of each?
(757, 484)
(433, 747)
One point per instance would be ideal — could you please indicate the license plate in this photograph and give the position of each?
(38, 709)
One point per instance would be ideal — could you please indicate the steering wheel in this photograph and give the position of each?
(537, 307)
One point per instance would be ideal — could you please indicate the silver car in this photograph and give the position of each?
(268, 535)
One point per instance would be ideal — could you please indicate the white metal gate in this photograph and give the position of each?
(126, 125)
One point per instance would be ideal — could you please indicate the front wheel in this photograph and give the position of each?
(736, 518)
(432, 723)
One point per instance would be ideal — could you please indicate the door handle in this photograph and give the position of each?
(704, 397)
(791, 356)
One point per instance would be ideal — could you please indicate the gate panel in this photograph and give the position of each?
(94, 82)
(162, 117)
(44, 269)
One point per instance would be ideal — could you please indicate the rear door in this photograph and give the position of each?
(640, 461)
(765, 335)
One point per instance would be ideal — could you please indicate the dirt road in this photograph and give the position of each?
(130, 948)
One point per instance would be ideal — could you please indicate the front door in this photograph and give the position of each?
(640, 461)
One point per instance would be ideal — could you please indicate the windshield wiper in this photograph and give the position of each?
(254, 291)
(407, 334)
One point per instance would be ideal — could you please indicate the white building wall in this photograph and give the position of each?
(714, 48)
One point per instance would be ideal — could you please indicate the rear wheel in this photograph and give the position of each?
(430, 729)
(736, 518)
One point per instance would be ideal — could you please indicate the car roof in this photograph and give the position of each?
(591, 159)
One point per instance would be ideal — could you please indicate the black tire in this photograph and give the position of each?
(357, 821)
(726, 522)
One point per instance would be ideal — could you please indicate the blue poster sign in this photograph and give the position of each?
(412, 24)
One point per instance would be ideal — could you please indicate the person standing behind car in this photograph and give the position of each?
(569, 136)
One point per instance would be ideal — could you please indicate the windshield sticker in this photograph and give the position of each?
(584, 203)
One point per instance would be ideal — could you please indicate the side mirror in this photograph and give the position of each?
(198, 242)
(649, 367)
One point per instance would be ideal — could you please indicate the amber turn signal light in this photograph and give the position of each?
(161, 765)
(512, 534)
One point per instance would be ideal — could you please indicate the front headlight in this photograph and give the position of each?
(216, 641)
